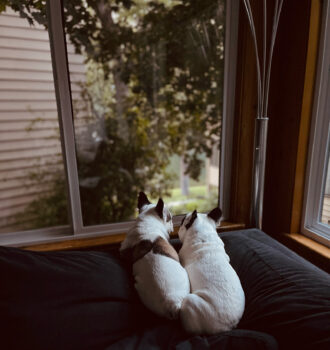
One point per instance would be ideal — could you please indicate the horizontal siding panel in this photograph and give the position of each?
(74, 58)
(6, 205)
(18, 54)
(21, 173)
(28, 126)
(12, 19)
(10, 213)
(28, 115)
(77, 78)
(8, 195)
(20, 135)
(21, 85)
(28, 105)
(33, 76)
(29, 145)
(31, 162)
(32, 95)
(25, 75)
(26, 65)
(31, 153)
(13, 182)
(326, 210)
(36, 66)
(27, 95)
(34, 153)
(26, 180)
(38, 45)
(77, 68)
(25, 54)
(9, 224)
(27, 33)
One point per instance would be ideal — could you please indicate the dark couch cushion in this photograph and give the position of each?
(238, 339)
(286, 296)
(80, 300)
(86, 300)
(170, 336)
(64, 300)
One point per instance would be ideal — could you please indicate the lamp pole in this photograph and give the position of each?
(263, 65)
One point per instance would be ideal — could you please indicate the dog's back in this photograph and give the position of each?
(160, 280)
(217, 300)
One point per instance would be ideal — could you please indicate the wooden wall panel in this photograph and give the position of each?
(245, 113)
(285, 107)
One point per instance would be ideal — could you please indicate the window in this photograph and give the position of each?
(144, 93)
(316, 209)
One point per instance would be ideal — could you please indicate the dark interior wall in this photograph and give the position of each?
(285, 106)
(285, 103)
(245, 112)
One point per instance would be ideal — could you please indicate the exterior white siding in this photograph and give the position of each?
(29, 133)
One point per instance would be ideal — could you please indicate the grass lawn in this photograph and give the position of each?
(198, 198)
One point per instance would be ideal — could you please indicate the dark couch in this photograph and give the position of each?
(86, 300)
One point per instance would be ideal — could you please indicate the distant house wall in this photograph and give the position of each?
(326, 204)
(327, 181)
(29, 133)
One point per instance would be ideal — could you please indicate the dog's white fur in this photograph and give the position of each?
(217, 299)
(161, 282)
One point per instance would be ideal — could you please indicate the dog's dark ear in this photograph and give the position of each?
(142, 200)
(215, 214)
(192, 219)
(160, 207)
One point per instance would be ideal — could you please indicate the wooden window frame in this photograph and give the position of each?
(319, 141)
(290, 110)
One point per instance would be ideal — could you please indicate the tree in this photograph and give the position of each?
(153, 89)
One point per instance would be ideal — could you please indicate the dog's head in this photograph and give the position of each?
(199, 221)
(151, 217)
(159, 210)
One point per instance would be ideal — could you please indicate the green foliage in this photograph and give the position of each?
(153, 89)
(198, 199)
(50, 208)
(32, 10)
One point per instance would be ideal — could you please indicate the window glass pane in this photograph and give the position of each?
(32, 186)
(147, 103)
(325, 212)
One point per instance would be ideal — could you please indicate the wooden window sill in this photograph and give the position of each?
(311, 250)
(83, 243)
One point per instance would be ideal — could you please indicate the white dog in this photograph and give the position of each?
(160, 280)
(217, 300)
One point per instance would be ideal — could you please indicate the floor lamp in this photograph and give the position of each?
(263, 64)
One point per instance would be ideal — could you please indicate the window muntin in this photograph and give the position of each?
(150, 106)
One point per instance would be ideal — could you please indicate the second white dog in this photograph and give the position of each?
(216, 302)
